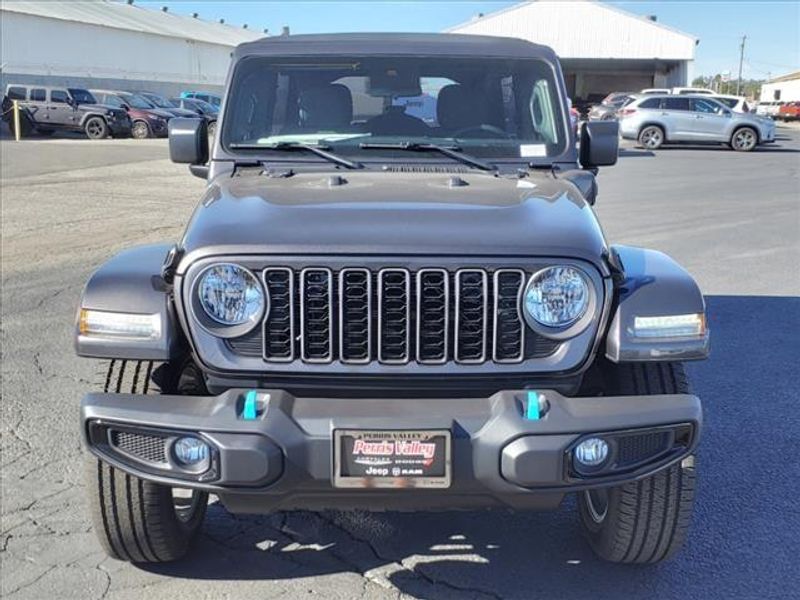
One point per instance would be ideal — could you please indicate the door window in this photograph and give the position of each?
(676, 103)
(38, 95)
(59, 96)
(17, 93)
(650, 103)
(706, 107)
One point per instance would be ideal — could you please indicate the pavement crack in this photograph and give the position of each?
(386, 560)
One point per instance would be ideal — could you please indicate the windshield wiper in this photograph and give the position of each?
(319, 150)
(453, 152)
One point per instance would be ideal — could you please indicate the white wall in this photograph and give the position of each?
(580, 29)
(41, 46)
(790, 91)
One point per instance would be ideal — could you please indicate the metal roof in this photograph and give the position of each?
(585, 29)
(119, 15)
(412, 44)
(787, 77)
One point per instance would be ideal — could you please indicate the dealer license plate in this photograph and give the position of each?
(391, 459)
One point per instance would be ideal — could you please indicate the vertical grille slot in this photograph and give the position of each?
(471, 315)
(279, 325)
(433, 307)
(355, 315)
(509, 330)
(316, 315)
(394, 315)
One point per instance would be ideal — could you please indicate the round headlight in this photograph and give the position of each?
(230, 294)
(557, 297)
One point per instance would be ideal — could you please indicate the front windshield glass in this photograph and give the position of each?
(159, 101)
(494, 108)
(82, 96)
(205, 106)
(136, 101)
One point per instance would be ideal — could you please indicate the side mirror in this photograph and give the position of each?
(188, 141)
(599, 144)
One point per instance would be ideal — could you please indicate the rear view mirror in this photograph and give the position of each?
(188, 141)
(599, 144)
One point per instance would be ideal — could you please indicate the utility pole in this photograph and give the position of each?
(741, 60)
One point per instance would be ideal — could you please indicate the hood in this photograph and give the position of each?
(382, 213)
(180, 112)
(159, 112)
(96, 105)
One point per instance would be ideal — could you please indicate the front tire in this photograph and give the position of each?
(137, 520)
(96, 128)
(643, 521)
(744, 139)
(141, 130)
(651, 137)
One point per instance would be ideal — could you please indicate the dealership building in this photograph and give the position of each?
(114, 45)
(602, 48)
(785, 88)
(121, 45)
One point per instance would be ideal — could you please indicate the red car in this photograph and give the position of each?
(146, 121)
(789, 111)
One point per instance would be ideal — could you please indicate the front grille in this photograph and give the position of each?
(149, 448)
(393, 316)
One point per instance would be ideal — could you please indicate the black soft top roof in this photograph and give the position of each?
(390, 44)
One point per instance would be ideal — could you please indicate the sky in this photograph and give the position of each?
(772, 27)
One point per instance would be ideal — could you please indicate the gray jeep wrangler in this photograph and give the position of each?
(393, 295)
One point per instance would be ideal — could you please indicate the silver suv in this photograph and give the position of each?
(655, 120)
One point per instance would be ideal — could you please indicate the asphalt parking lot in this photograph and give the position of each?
(732, 219)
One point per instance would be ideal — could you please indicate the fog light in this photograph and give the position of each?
(591, 452)
(191, 451)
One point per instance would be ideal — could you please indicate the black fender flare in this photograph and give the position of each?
(653, 284)
(131, 282)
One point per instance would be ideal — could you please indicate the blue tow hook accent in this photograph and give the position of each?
(532, 408)
(250, 409)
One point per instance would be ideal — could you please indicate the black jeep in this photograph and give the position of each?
(393, 295)
(48, 109)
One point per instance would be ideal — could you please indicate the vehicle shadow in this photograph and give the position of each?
(722, 147)
(740, 545)
(635, 153)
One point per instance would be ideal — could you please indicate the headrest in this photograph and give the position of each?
(458, 107)
(327, 106)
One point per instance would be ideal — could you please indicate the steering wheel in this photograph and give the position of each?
(482, 131)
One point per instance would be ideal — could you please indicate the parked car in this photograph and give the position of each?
(790, 111)
(50, 109)
(682, 91)
(655, 120)
(146, 121)
(769, 108)
(208, 111)
(391, 320)
(607, 109)
(212, 99)
(649, 91)
(735, 103)
(158, 101)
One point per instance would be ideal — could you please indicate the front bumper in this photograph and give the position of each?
(283, 459)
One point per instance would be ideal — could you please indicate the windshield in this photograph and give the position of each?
(204, 106)
(136, 101)
(495, 108)
(158, 101)
(82, 96)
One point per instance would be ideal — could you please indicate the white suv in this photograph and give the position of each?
(655, 120)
